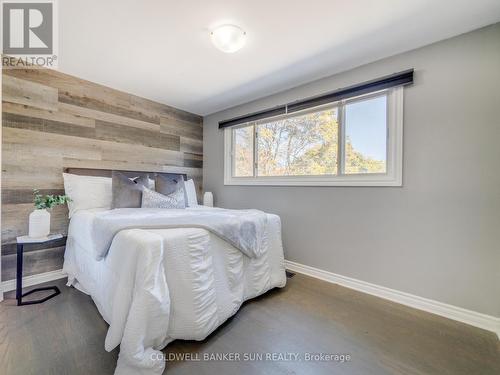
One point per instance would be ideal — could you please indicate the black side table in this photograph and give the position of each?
(21, 241)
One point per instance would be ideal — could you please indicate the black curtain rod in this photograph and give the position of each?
(393, 80)
(281, 110)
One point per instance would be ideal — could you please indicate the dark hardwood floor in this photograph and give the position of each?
(65, 335)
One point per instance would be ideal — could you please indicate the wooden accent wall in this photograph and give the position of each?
(52, 121)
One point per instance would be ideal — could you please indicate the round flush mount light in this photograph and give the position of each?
(228, 38)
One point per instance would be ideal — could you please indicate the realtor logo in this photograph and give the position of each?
(29, 34)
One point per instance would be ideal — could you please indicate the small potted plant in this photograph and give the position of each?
(39, 221)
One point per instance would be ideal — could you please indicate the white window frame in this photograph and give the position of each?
(392, 177)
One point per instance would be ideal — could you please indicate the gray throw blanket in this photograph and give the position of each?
(244, 229)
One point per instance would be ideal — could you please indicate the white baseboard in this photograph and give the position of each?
(470, 317)
(9, 285)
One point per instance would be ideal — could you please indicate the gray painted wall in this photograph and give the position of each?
(438, 236)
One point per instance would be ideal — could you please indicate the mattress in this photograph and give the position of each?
(206, 281)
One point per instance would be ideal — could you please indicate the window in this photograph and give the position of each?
(353, 142)
(243, 141)
(365, 149)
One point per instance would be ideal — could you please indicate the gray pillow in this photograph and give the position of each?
(152, 199)
(127, 192)
(166, 185)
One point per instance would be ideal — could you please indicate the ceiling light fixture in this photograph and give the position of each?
(228, 38)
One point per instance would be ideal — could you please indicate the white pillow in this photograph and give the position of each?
(87, 192)
(192, 200)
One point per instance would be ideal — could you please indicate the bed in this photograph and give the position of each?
(158, 282)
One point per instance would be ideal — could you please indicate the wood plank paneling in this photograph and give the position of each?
(61, 115)
(104, 116)
(22, 144)
(10, 120)
(102, 106)
(39, 261)
(19, 91)
(18, 196)
(180, 128)
(124, 134)
(193, 160)
(190, 145)
(140, 154)
(52, 120)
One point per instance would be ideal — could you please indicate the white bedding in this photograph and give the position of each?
(157, 285)
(242, 228)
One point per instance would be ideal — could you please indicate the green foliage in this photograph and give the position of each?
(48, 201)
(358, 163)
(298, 146)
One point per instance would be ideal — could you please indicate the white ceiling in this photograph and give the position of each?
(161, 50)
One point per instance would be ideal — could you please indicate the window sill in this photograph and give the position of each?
(373, 181)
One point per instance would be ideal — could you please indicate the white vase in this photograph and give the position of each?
(208, 199)
(39, 224)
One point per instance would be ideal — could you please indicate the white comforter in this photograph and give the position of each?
(157, 285)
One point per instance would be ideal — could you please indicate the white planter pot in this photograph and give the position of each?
(39, 224)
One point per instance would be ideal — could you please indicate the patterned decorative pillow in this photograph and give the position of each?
(152, 199)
